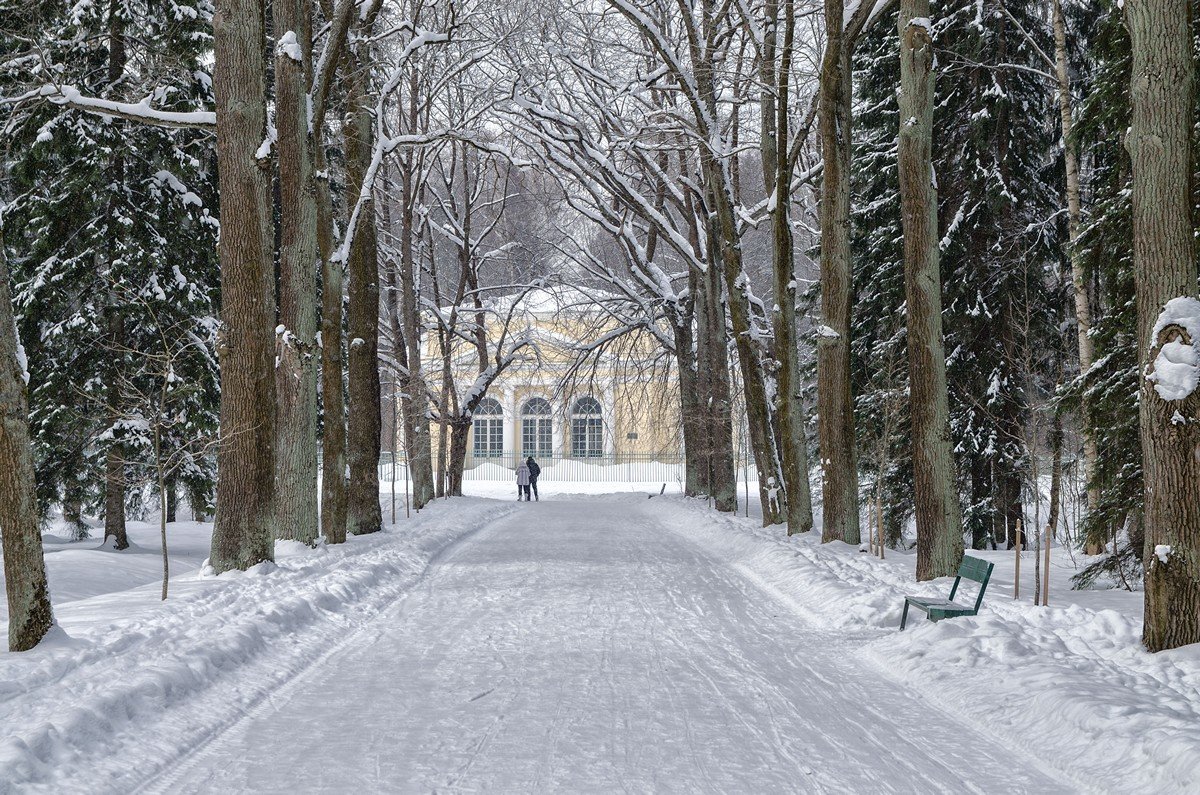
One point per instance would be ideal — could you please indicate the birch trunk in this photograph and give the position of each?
(1164, 260)
(29, 613)
(939, 523)
(364, 429)
(296, 373)
(1083, 312)
(835, 407)
(243, 533)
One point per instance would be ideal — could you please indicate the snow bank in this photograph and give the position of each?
(127, 685)
(1070, 685)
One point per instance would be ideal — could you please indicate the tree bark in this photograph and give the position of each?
(29, 614)
(333, 397)
(114, 456)
(296, 373)
(835, 406)
(939, 524)
(1164, 260)
(243, 533)
(458, 456)
(417, 399)
(789, 409)
(364, 442)
(1083, 312)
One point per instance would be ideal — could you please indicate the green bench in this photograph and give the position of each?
(974, 569)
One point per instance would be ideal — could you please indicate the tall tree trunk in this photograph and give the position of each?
(722, 476)
(789, 408)
(114, 457)
(1164, 260)
(417, 398)
(939, 524)
(1083, 312)
(29, 613)
(835, 406)
(363, 448)
(296, 375)
(333, 397)
(244, 531)
(691, 410)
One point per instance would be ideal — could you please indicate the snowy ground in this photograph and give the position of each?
(584, 643)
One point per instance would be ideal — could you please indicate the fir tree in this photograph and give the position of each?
(113, 244)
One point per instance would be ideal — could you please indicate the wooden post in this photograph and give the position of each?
(1017, 573)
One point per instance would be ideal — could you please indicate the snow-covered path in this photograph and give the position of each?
(579, 646)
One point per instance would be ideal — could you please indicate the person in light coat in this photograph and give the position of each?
(523, 481)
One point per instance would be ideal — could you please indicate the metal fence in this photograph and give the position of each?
(664, 467)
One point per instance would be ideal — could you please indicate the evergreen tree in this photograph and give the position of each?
(112, 246)
(993, 156)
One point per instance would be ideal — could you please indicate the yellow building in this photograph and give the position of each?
(619, 408)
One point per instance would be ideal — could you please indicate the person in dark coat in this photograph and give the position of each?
(534, 471)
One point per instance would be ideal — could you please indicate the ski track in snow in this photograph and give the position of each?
(583, 646)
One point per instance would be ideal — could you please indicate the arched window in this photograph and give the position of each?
(489, 429)
(587, 428)
(537, 428)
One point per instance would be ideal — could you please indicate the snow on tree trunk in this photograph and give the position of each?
(365, 425)
(244, 529)
(835, 406)
(296, 373)
(1164, 258)
(29, 613)
(939, 531)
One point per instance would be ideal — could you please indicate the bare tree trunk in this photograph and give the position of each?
(1083, 312)
(244, 530)
(835, 406)
(296, 374)
(29, 613)
(1159, 143)
(458, 457)
(363, 512)
(114, 457)
(417, 400)
(333, 398)
(939, 523)
(722, 477)
(172, 487)
(716, 461)
(114, 497)
(1056, 477)
(789, 409)
(691, 409)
